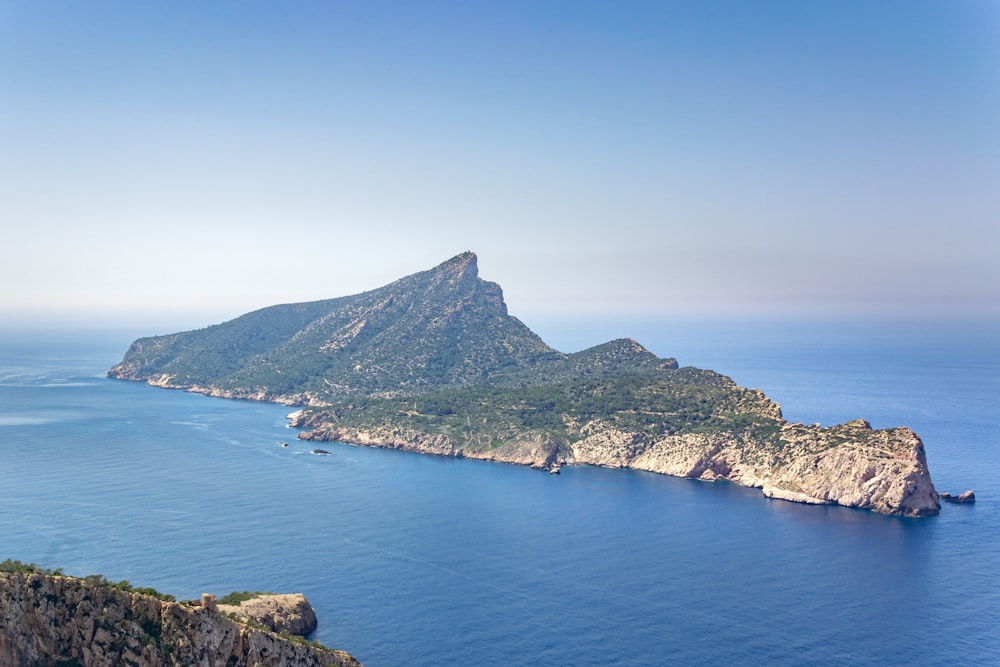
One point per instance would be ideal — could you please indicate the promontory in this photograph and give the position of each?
(47, 618)
(434, 363)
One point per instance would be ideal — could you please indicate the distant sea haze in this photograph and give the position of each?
(420, 560)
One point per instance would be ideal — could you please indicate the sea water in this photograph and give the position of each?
(420, 560)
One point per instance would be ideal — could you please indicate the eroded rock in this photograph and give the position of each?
(962, 498)
(290, 612)
(49, 619)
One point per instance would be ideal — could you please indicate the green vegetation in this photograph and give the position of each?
(298, 639)
(650, 405)
(238, 597)
(17, 567)
(123, 585)
(432, 330)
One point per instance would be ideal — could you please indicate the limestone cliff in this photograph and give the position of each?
(287, 612)
(56, 620)
(851, 464)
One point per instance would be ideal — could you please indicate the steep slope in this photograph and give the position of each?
(439, 328)
(55, 620)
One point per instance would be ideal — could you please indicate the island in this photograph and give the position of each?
(434, 363)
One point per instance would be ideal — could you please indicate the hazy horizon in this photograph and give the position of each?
(183, 163)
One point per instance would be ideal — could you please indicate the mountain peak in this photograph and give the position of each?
(440, 328)
(463, 265)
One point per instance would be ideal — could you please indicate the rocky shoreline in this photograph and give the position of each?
(884, 471)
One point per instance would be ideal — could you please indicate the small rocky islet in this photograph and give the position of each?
(434, 363)
(964, 498)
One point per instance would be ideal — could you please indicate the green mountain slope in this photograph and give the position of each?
(649, 404)
(439, 328)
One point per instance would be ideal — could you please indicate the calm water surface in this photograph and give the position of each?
(417, 560)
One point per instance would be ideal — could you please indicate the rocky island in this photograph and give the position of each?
(434, 363)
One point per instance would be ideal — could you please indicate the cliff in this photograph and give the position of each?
(434, 363)
(850, 465)
(55, 620)
(288, 612)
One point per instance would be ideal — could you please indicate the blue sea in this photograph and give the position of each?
(419, 560)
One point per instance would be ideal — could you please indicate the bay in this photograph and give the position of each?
(420, 560)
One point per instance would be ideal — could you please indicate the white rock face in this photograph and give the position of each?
(290, 612)
(851, 464)
(883, 470)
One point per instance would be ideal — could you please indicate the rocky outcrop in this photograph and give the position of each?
(289, 612)
(963, 498)
(856, 466)
(850, 465)
(56, 620)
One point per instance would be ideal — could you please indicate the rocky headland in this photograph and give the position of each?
(279, 612)
(433, 363)
(48, 619)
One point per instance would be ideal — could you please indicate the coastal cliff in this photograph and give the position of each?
(433, 363)
(279, 612)
(50, 619)
(850, 465)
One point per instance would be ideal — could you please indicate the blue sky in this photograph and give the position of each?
(196, 160)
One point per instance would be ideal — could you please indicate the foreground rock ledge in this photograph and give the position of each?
(51, 620)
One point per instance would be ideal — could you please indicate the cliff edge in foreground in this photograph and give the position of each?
(434, 363)
(55, 620)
